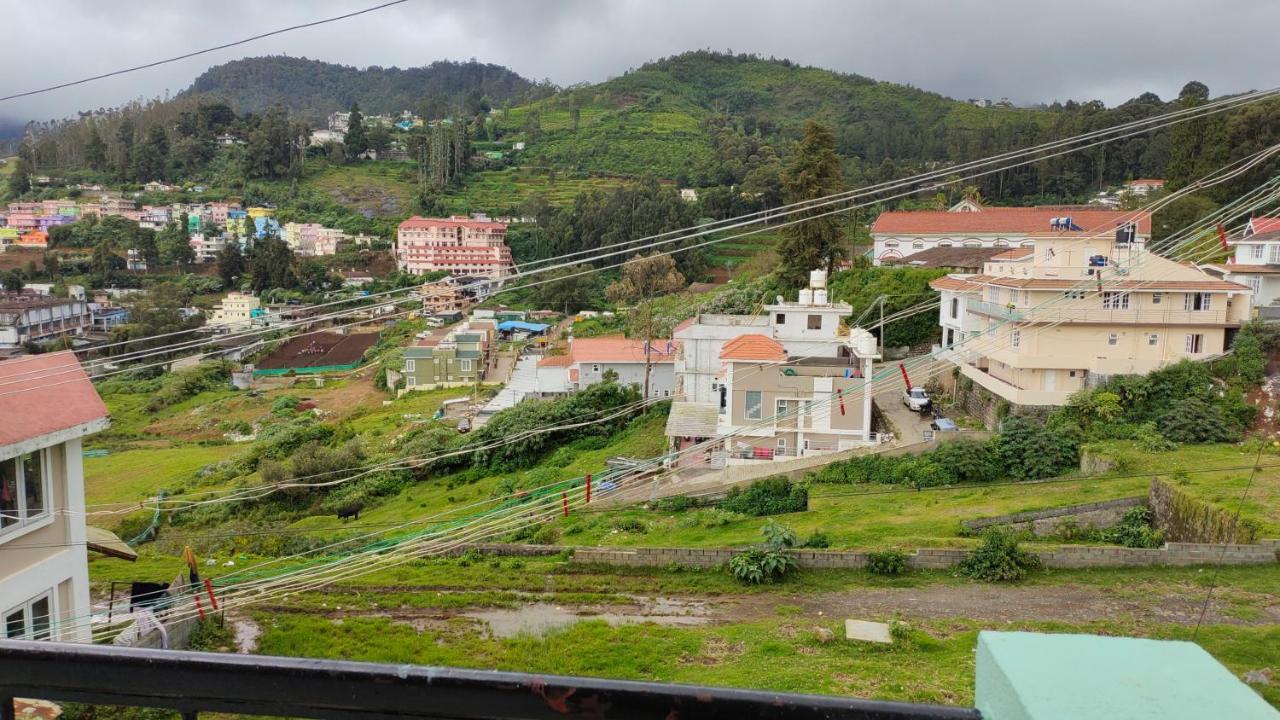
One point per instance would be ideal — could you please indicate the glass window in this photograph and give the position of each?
(410, 365)
(1015, 338)
(815, 322)
(33, 483)
(1196, 301)
(1112, 339)
(780, 319)
(1115, 301)
(753, 404)
(1153, 339)
(1273, 254)
(1195, 344)
(1156, 297)
(9, 512)
(466, 366)
(40, 618)
(15, 623)
(1256, 251)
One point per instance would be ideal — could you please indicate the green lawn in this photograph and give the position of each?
(135, 475)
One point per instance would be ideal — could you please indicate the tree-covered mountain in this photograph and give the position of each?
(311, 89)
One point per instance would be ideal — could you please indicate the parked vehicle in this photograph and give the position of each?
(917, 399)
(941, 424)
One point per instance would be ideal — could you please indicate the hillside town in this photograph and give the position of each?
(723, 386)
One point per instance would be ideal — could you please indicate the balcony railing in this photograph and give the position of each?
(1065, 313)
(190, 683)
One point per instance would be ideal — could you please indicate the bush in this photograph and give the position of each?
(968, 461)
(817, 541)
(630, 525)
(674, 503)
(998, 558)
(771, 496)
(546, 535)
(284, 405)
(761, 565)
(892, 561)
(1029, 449)
(778, 535)
(710, 518)
(1134, 530)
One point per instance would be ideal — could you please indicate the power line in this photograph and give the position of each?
(184, 56)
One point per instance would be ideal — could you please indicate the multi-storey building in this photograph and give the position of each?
(28, 317)
(237, 310)
(454, 358)
(900, 234)
(44, 577)
(457, 245)
(1255, 262)
(1037, 326)
(806, 336)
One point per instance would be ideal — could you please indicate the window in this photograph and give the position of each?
(410, 365)
(1071, 373)
(815, 322)
(1001, 242)
(1015, 337)
(1073, 294)
(1156, 298)
(1196, 301)
(30, 620)
(753, 405)
(955, 308)
(595, 368)
(1273, 254)
(1195, 344)
(972, 243)
(918, 245)
(23, 489)
(780, 319)
(1115, 301)
(1254, 282)
(466, 366)
(666, 393)
(1153, 339)
(1255, 252)
(1113, 339)
(891, 243)
(944, 243)
(410, 381)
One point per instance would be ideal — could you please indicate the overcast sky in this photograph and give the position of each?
(1027, 50)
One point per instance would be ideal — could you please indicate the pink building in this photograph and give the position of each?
(458, 245)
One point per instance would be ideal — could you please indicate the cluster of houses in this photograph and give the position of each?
(35, 315)
(459, 245)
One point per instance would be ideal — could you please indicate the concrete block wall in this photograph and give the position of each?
(1046, 522)
(1067, 556)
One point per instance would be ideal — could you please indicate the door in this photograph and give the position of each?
(1050, 380)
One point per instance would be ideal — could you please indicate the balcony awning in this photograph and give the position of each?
(106, 542)
(690, 419)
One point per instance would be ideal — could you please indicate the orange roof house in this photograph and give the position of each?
(752, 346)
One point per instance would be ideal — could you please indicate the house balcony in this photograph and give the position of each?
(1064, 313)
(192, 682)
(1010, 391)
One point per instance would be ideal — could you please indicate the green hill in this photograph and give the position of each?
(312, 89)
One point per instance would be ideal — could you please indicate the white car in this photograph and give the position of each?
(916, 399)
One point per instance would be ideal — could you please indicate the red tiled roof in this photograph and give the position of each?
(1014, 254)
(555, 361)
(45, 394)
(1264, 224)
(950, 282)
(616, 348)
(753, 346)
(1001, 220)
(420, 223)
(1245, 269)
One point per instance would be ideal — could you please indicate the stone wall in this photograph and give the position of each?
(1047, 522)
(1067, 556)
(1184, 518)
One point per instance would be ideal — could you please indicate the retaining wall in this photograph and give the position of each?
(1047, 522)
(1071, 556)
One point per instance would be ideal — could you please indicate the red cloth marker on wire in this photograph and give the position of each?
(208, 585)
(564, 501)
(199, 607)
(588, 487)
(840, 397)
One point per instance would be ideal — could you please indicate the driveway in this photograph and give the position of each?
(908, 426)
(501, 369)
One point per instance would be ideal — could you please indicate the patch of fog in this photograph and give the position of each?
(541, 618)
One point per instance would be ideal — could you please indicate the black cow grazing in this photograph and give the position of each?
(348, 512)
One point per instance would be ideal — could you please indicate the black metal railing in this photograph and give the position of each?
(191, 682)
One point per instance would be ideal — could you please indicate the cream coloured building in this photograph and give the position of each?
(44, 578)
(1041, 323)
(236, 310)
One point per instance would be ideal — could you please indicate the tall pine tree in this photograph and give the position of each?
(816, 242)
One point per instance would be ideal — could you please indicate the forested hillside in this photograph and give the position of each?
(311, 89)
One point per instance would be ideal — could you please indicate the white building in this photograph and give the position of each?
(590, 359)
(1144, 186)
(44, 576)
(900, 233)
(237, 310)
(1255, 262)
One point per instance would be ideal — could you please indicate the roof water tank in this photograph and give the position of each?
(819, 297)
(817, 279)
(866, 344)
(806, 297)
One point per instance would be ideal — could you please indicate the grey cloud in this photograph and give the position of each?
(1026, 50)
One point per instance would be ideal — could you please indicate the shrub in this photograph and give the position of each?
(284, 405)
(771, 496)
(778, 535)
(1134, 530)
(710, 518)
(998, 558)
(1030, 450)
(818, 540)
(546, 535)
(631, 525)
(968, 461)
(674, 503)
(761, 565)
(892, 561)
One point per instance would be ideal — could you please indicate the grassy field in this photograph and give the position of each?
(378, 188)
(135, 475)
(504, 190)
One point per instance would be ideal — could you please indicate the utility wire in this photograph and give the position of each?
(1235, 523)
(184, 56)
